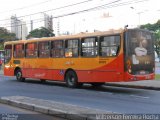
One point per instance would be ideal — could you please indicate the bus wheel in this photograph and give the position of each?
(71, 79)
(97, 84)
(19, 76)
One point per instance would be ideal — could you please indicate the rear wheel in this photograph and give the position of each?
(19, 76)
(72, 79)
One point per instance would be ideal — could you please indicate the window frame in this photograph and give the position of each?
(72, 48)
(60, 49)
(23, 52)
(96, 40)
(49, 50)
(110, 46)
(35, 56)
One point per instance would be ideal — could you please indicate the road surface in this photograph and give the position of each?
(113, 99)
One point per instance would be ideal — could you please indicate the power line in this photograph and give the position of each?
(28, 22)
(38, 20)
(119, 4)
(32, 5)
(53, 9)
(125, 3)
(81, 10)
(86, 10)
(108, 5)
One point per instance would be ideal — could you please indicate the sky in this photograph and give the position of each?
(114, 15)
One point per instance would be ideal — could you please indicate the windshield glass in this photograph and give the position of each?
(140, 51)
(8, 53)
(140, 42)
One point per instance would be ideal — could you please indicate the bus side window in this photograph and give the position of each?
(31, 50)
(89, 47)
(57, 50)
(19, 51)
(109, 45)
(71, 48)
(44, 50)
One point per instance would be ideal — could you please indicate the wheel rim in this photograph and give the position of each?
(71, 80)
(19, 75)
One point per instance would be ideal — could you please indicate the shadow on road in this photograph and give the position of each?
(103, 88)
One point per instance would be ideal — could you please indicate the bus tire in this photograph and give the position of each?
(72, 79)
(19, 76)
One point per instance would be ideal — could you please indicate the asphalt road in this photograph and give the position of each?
(114, 99)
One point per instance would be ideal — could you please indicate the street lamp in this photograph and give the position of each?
(139, 15)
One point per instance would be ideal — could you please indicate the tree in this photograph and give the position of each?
(156, 29)
(41, 32)
(157, 41)
(5, 36)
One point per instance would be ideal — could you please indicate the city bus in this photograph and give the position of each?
(96, 58)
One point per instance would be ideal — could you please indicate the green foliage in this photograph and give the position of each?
(41, 32)
(157, 41)
(156, 29)
(152, 27)
(1, 46)
(5, 36)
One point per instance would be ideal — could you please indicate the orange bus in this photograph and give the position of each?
(95, 58)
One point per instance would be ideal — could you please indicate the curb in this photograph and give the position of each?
(133, 86)
(66, 111)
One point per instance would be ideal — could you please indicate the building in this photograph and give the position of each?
(48, 22)
(18, 27)
(24, 30)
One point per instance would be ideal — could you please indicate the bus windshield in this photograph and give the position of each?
(8, 53)
(140, 52)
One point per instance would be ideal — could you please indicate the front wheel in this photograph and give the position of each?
(19, 76)
(72, 79)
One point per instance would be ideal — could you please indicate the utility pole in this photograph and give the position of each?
(139, 16)
(21, 30)
(58, 27)
(31, 25)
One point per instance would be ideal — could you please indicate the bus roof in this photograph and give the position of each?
(80, 35)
